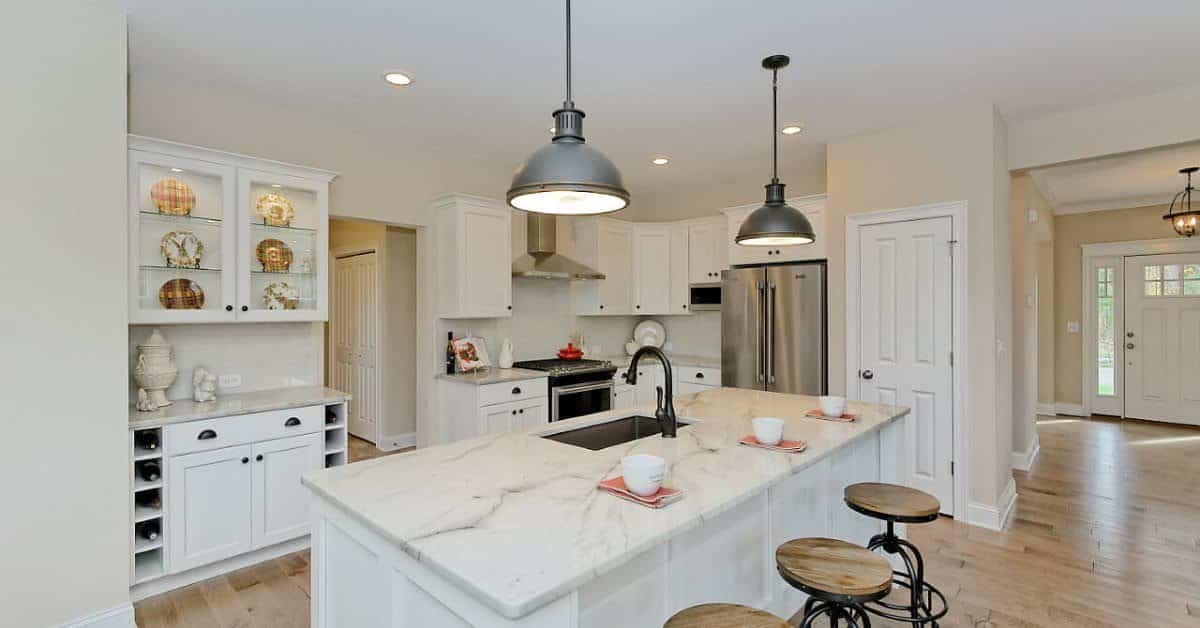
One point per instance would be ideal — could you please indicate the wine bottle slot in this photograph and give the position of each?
(148, 530)
(149, 470)
(150, 499)
(146, 439)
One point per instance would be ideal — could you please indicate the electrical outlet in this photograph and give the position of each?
(1072, 327)
(232, 380)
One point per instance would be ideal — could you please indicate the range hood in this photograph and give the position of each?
(541, 260)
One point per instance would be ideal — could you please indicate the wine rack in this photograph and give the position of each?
(147, 502)
(336, 438)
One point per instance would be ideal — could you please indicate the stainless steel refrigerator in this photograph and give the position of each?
(773, 328)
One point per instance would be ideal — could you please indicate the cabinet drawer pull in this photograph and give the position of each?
(699, 375)
(207, 435)
(516, 390)
(292, 422)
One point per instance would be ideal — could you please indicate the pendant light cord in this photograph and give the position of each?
(568, 103)
(774, 125)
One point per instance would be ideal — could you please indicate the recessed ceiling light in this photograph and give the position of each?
(176, 169)
(792, 130)
(660, 161)
(399, 79)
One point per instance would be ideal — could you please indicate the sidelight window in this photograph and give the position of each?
(1105, 334)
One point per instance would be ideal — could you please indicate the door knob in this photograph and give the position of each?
(867, 374)
(1129, 334)
(1129, 345)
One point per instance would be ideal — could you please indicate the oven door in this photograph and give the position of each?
(579, 399)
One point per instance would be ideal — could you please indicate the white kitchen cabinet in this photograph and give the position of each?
(649, 379)
(608, 246)
(813, 208)
(280, 502)
(200, 246)
(624, 396)
(708, 252)
(474, 257)
(210, 506)
(515, 415)
(680, 294)
(470, 409)
(652, 269)
(694, 379)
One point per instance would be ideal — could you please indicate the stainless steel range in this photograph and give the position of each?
(577, 387)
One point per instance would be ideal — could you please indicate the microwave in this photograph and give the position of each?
(705, 296)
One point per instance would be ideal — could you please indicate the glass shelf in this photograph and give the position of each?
(180, 220)
(293, 273)
(179, 268)
(269, 228)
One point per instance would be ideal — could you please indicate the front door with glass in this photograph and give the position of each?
(1162, 337)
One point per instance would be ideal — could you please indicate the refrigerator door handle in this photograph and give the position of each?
(758, 332)
(770, 340)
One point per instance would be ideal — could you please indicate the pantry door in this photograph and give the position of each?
(1162, 337)
(355, 331)
(905, 338)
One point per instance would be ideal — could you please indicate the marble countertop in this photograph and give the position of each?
(676, 360)
(183, 410)
(492, 376)
(516, 520)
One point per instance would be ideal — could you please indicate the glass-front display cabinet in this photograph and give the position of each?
(217, 237)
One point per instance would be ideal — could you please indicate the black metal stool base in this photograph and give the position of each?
(926, 604)
(855, 615)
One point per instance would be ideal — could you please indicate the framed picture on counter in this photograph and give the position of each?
(470, 354)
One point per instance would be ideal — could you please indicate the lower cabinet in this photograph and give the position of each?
(624, 396)
(230, 501)
(515, 415)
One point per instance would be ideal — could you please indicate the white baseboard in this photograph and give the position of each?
(398, 441)
(1044, 408)
(116, 617)
(1023, 460)
(1069, 409)
(994, 517)
(175, 581)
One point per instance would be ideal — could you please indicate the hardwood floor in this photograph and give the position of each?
(1106, 533)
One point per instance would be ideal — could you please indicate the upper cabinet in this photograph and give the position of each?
(708, 250)
(652, 269)
(474, 257)
(217, 237)
(608, 246)
(812, 206)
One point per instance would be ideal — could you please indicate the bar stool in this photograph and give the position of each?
(724, 616)
(839, 577)
(900, 504)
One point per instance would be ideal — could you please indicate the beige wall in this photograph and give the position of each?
(1047, 365)
(64, 534)
(949, 156)
(1028, 241)
(1071, 231)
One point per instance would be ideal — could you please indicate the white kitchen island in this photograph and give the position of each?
(510, 530)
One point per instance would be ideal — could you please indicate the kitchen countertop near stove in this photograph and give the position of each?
(516, 521)
(493, 376)
(676, 360)
(229, 404)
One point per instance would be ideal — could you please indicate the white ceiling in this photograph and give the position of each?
(1138, 179)
(675, 77)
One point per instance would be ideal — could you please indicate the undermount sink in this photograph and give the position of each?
(603, 435)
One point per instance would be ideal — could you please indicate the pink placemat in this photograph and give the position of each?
(664, 497)
(845, 418)
(789, 446)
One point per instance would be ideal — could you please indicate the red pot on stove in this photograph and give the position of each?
(570, 352)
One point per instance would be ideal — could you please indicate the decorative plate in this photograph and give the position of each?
(274, 255)
(181, 294)
(172, 196)
(280, 296)
(181, 249)
(650, 333)
(276, 210)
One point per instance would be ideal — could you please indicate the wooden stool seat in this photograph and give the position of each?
(724, 616)
(891, 501)
(834, 567)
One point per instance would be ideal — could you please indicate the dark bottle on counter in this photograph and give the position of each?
(146, 439)
(149, 499)
(149, 470)
(449, 353)
(148, 529)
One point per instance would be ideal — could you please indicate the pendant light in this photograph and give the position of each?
(568, 177)
(775, 223)
(1186, 220)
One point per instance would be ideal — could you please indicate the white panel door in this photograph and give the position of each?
(615, 245)
(209, 510)
(652, 270)
(499, 418)
(280, 502)
(703, 242)
(487, 266)
(355, 331)
(1162, 338)
(680, 295)
(905, 340)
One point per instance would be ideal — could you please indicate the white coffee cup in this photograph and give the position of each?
(643, 473)
(833, 406)
(768, 430)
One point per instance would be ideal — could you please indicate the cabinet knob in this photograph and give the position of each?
(258, 457)
(522, 411)
(228, 308)
(638, 307)
(685, 306)
(602, 307)
(245, 460)
(514, 412)
(510, 307)
(245, 308)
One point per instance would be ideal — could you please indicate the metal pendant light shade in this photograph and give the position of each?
(1184, 219)
(775, 223)
(568, 177)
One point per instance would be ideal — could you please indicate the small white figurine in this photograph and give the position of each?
(204, 385)
(143, 403)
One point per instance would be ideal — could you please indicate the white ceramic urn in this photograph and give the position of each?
(155, 372)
